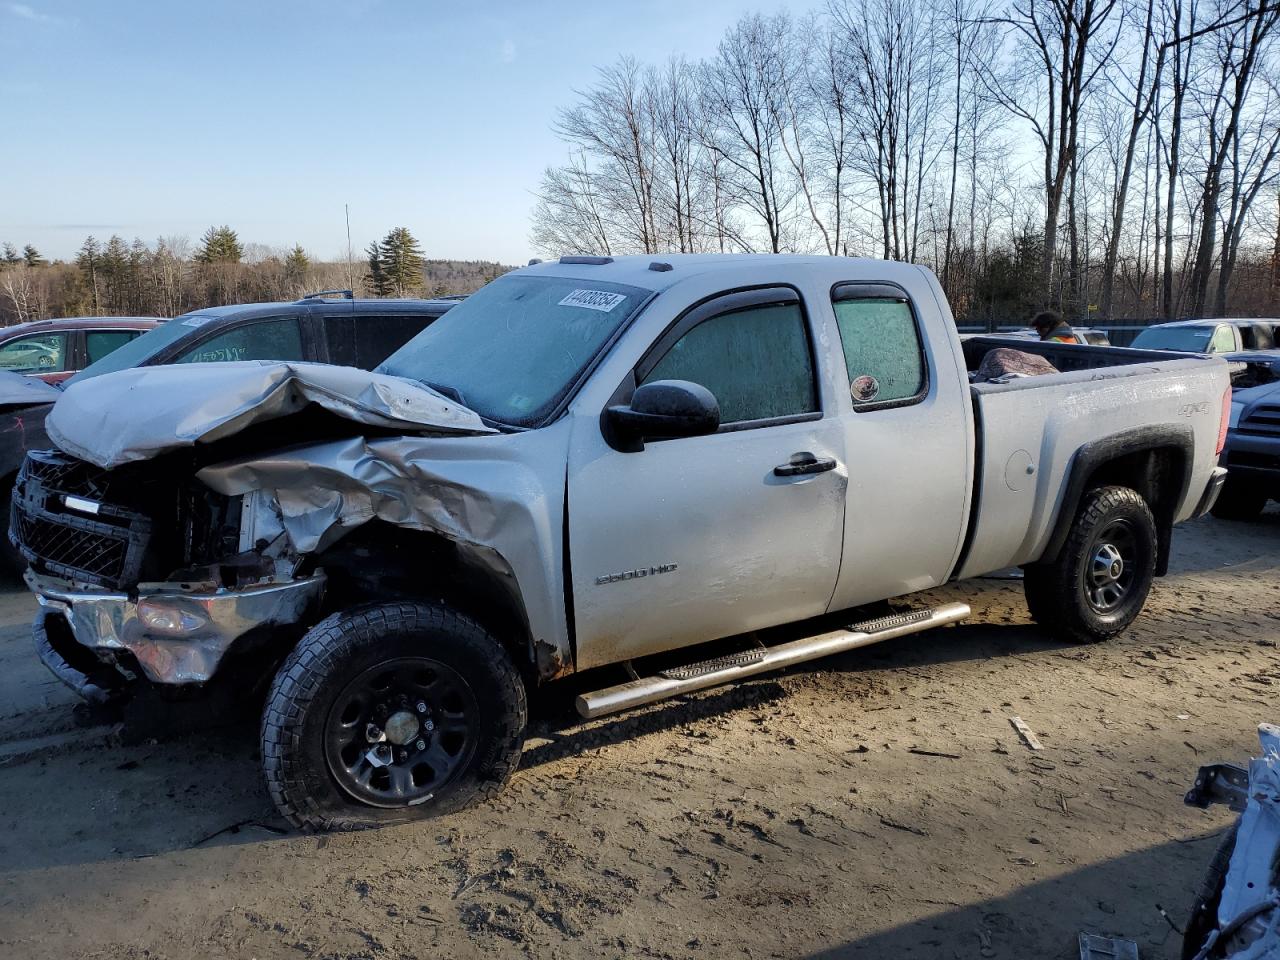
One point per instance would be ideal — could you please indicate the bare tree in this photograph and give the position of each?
(1063, 45)
(1141, 98)
(741, 85)
(1239, 50)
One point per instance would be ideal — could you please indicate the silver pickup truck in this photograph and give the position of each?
(637, 461)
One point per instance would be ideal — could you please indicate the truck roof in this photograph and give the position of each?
(659, 271)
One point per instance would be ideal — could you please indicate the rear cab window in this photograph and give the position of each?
(883, 349)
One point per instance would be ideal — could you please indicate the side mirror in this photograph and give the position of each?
(661, 410)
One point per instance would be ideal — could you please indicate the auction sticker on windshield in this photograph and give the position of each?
(601, 300)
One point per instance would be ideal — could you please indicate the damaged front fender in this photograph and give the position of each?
(502, 494)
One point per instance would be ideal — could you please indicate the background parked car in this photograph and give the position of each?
(1210, 336)
(328, 327)
(345, 331)
(55, 349)
(1252, 453)
(24, 403)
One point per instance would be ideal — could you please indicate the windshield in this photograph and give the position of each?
(1186, 339)
(513, 350)
(143, 348)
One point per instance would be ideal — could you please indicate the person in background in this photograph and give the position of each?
(1050, 326)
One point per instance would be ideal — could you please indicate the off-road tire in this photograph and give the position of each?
(1240, 500)
(298, 776)
(1055, 590)
(1203, 918)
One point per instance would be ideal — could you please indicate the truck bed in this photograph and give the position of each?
(1030, 429)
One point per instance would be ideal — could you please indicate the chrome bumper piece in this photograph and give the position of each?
(177, 636)
(1210, 496)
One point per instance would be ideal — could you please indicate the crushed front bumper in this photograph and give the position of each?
(176, 636)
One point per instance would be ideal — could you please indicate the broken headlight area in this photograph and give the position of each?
(114, 529)
(143, 572)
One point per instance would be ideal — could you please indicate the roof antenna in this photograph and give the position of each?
(346, 209)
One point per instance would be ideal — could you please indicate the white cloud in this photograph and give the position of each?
(26, 12)
(508, 51)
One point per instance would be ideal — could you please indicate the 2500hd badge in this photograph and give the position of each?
(636, 574)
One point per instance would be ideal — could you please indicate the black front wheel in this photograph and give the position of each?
(391, 712)
(1098, 583)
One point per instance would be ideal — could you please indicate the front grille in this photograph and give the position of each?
(106, 548)
(1263, 421)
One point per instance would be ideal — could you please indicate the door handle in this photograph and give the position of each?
(804, 463)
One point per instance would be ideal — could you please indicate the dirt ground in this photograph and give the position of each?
(878, 804)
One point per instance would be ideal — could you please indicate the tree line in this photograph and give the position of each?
(172, 276)
(1110, 158)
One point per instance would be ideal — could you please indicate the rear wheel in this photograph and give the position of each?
(1100, 579)
(1240, 500)
(388, 713)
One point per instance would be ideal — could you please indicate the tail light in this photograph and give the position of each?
(1226, 420)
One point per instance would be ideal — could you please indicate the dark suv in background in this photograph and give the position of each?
(328, 327)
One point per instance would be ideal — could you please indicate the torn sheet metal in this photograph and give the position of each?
(503, 492)
(19, 391)
(1250, 880)
(140, 413)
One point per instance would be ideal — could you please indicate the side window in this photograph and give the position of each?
(98, 343)
(882, 350)
(39, 353)
(264, 340)
(379, 337)
(1224, 340)
(755, 361)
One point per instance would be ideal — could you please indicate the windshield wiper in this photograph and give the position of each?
(451, 392)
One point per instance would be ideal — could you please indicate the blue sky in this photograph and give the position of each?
(161, 118)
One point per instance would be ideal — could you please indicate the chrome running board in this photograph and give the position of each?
(713, 673)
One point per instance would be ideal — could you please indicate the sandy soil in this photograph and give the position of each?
(878, 804)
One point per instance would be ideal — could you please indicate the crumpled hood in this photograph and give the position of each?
(140, 413)
(19, 391)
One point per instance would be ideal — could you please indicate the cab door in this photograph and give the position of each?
(696, 538)
(908, 435)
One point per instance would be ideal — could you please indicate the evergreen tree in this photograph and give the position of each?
(32, 256)
(402, 262)
(376, 281)
(219, 245)
(11, 254)
(89, 260)
(115, 272)
(297, 263)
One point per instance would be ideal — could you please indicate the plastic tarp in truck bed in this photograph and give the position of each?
(141, 413)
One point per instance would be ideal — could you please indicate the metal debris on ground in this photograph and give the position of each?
(1106, 948)
(1030, 738)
